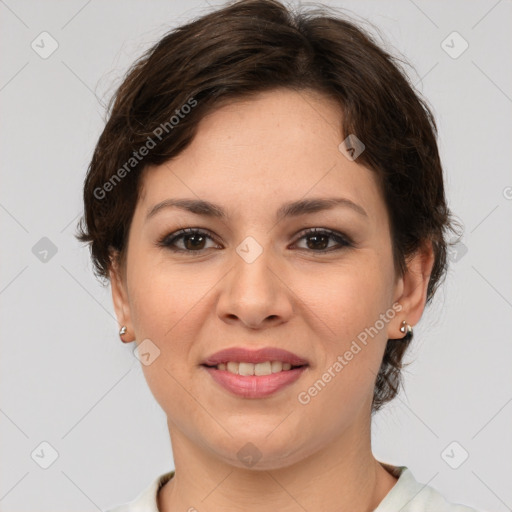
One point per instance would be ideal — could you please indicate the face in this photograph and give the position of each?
(251, 279)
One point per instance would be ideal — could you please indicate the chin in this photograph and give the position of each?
(261, 451)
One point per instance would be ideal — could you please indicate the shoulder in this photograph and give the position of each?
(409, 495)
(146, 501)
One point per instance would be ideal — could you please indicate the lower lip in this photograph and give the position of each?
(255, 386)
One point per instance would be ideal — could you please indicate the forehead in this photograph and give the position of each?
(278, 146)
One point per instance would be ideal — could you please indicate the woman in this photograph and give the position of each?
(267, 201)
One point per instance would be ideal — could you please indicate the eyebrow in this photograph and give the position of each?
(290, 209)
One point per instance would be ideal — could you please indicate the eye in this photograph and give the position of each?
(318, 240)
(193, 240)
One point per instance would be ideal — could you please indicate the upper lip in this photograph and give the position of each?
(245, 355)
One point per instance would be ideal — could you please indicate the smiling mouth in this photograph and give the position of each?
(255, 380)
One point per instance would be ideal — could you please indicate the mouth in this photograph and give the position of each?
(254, 373)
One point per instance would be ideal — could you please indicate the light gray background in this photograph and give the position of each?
(66, 378)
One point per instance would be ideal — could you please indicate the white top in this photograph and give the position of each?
(407, 495)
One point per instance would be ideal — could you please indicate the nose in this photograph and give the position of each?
(255, 292)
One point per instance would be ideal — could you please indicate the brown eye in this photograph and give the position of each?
(317, 240)
(193, 240)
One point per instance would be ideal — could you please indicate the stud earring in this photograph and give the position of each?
(122, 330)
(405, 328)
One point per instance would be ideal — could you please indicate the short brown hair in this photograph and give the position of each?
(251, 46)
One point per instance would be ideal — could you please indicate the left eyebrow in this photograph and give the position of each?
(290, 209)
(305, 206)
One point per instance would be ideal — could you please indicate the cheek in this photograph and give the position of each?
(162, 298)
(349, 359)
(354, 296)
(356, 306)
(162, 308)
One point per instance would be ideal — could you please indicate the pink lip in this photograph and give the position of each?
(255, 386)
(243, 355)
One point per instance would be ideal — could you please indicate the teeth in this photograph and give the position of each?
(232, 367)
(262, 368)
(277, 366)
(246, 369)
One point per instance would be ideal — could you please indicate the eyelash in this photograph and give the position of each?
(167, 241)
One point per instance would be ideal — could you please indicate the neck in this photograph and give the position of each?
(344, 474)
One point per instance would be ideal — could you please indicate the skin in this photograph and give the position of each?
(250, 157)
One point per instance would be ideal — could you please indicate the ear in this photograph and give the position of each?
(411, 290)
(120, 296)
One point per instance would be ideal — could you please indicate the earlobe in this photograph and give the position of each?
(120, 299)
(414, 285)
